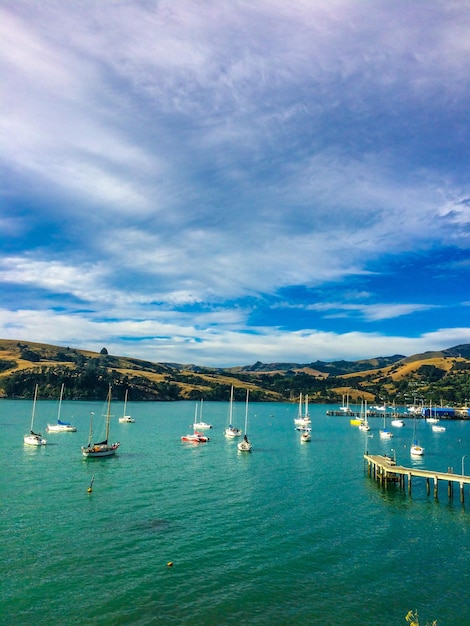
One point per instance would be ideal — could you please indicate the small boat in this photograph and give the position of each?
(437, 428)
(231, 431)
(34, 439)
(195, 437)
(415, 448)
(103, 448)
(201, 425)
(398, 423)
(61, 427)
(305, 436)
(126, 419)
(385, 433)
(245, 445)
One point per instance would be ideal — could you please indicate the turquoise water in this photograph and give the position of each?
(289, 534)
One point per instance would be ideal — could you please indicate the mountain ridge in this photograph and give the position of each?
(87, 373)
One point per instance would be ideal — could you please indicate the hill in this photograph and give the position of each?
(442, 376)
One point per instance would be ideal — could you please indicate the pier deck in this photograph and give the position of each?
(385, 470)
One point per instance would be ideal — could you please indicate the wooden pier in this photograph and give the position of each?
(385, 470)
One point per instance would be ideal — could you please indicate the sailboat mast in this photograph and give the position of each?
(60, 401)
(246, 411)
(90, 434)
(108, 416)
(34, 406)
(231, 406)
(125, 401)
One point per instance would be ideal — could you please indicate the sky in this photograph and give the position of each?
(221, 182)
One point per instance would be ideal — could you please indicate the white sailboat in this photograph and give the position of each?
(126, 419)
(345, 407)
(196, 436)
(302, 421)
(364, 425)
(245, 445)
(231, 431)
(34, 439)
(415, 448)
(201, 425)
(103, 448)
(59, 426)
(385, 433)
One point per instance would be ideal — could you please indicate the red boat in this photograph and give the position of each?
(195, 437)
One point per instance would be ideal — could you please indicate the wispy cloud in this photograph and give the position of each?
(186, 164)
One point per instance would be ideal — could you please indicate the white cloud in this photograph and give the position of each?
(164, 155)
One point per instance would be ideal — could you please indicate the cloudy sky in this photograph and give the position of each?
(225, 181)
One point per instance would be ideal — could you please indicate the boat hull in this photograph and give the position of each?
(233, 432)
(61, 428)
(98, 451)
(127, 419)
(34, 440)
(195, 438)
(244, 446)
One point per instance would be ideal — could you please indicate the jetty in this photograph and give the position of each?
(385, 470)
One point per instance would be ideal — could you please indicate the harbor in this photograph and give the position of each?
(385, 470)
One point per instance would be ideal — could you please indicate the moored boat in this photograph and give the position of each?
(102, 448)
(195, 437)
(201, 425)
(245, 445)
(303, 418)
(59, 426)
(126, 419)
(34, 439)
(305, 436)
(231, 431)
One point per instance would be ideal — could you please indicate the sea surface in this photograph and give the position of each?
(291, 533)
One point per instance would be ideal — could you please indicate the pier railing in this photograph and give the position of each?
(385, 470)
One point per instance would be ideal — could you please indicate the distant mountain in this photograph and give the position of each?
(333, 368)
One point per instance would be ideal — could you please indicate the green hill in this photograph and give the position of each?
(433, 376)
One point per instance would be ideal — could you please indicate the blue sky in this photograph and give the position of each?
(220, 182)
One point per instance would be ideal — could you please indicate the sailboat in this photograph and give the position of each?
(345, 407)
(416, 449)
(364, 425)
(196, 436)
(231, 431)
(201, 425)
(103, 448)
(302, 421)
(245, 445)
(34, 439)
(385, 433)
(126, 419)
(61, 427)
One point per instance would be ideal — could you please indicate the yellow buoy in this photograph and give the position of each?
(169, 564)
